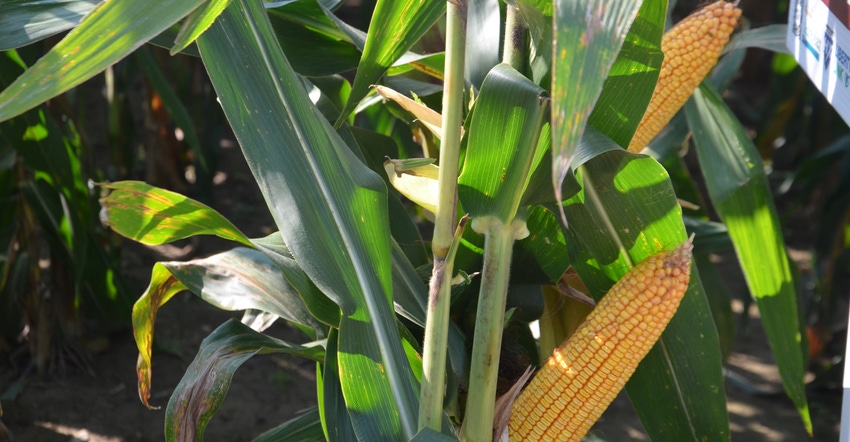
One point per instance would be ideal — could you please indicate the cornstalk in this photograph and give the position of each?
(437, 323)
(489, 323)
(515, 52)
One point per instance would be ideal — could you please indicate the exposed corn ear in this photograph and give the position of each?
(691, 49)
(586, 373)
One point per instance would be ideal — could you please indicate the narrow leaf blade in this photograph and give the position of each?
(107, 34)
(744, 202)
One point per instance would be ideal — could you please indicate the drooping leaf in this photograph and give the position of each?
(28, 21)
(108, 33)
(330, 208)
(153, 216)
(588, 35)
(242, 279)
(626, 212)
(205, 383)
(771, 37)
(317, 303)
(744, 202)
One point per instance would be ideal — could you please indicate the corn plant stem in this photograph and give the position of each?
(516, 39)
(446, 213)
(432, 391)
(489, 323)
(436, 341)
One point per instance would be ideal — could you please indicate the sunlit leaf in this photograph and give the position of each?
(633, 75)
(744, 202)
(502, 145)
(105, 36)
(588, 36)
(155, 216)
(197, 22)
(394, 28)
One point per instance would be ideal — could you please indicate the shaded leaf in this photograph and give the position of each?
(206, 381)
(306, 427)
(28, 21)
(242, 279)
(330, 208)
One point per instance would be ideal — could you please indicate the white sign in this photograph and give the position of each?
(819, 38)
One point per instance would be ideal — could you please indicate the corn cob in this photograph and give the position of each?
(691, 49)
(586, 373)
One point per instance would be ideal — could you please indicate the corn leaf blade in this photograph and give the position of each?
(28, 21)
(395, 27)
(154, 216)
(196, 23)
(633, 76)
(330, 208)
(242, 279)
(502, 145)
(744, 202)
(107, 34)
(206, 381)
(588, 36)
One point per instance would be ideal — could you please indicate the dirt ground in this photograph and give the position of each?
(267, 390)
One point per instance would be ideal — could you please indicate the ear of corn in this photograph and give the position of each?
(691, 49)
(583, 376)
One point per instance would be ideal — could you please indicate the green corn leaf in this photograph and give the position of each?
(330, 208)
(107, 34)
(740, 193)
(28, 21)
(588, 37)
(395, 27)
(206, 381)
(197, 22)
(633, 76)
(153, 216)
(305, 427)
(502, 145)
(242, 279)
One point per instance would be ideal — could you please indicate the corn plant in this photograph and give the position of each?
(519, 162)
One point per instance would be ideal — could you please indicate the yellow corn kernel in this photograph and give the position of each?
(691, 49)
(591, 367)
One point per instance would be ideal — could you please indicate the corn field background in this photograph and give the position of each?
(68, 281)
